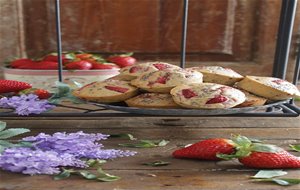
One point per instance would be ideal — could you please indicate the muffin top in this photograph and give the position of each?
(217, 70)
(207, 96)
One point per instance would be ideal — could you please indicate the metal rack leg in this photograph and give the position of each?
(184, 33)
(58, 36)
(285, 30)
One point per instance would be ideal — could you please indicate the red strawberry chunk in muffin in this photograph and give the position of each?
(217, 99)
(161, 66)
(117, 89)
(188, 93)
(278, 81)
(134, 69)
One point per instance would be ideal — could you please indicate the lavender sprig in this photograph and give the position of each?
(26, 104)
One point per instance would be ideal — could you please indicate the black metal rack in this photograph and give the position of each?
(283, 44)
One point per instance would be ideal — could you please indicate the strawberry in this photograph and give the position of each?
(20, 62)
(104, 66)
(206, 149)
(134, 69)
(163, 79)
(188, 93)
(281, 159)
(13, 86)
(122, 60)
(84, 56)
(278, 81)
(161, 66)
(42, 65)
(217, 99)
(41, 93)
(117, 89)
(259, 155)
(80, 65)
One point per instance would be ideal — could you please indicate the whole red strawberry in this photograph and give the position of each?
(206, 149)
(7, 86)
(41, 93)
(259, 155)
(80, 65)
(281, 159)
(104, 66)
(122, 60)
(20, 62)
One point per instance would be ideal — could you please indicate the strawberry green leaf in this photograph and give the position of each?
(241, 141)
(259, 147)
(8, 133)
(295, 147)
(266, 174)
(157, 163)
(123, 135)
(280, 181)
(2, 125)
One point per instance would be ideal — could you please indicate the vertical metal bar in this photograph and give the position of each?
(58, 40)
(183, 33)
(297, 67)
(284, 36)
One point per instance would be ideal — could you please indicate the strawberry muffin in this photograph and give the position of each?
(132, 72)
(164, 80)
(252, 100)
(269, 87)
(207, 96)
(152, 100)
(107, 91)
(219, 75)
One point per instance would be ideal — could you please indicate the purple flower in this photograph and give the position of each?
(79, 144)
(29, 161)
(26, 104)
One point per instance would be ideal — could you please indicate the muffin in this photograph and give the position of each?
(252, 100)
(164, 80)
(207, 96)
(107, 91)
(219, 75)
(269, 87)
(152, 100)
(133, 71)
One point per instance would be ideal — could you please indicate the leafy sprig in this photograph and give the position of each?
(64, 92)
(268, 176)
(100, 175)
(8, 133)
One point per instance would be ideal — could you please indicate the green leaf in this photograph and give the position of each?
(2, 125)
(241, 140)
(105, 177)
(253, 140)
(146, 144)
(6, 143)
(258, 147)
(295, 147)
(62, 175)
(63, 92)
(86, 174)
(95, 163)
(123, 135)
(157, 163)
(269, 174)
(8, 133)
(280, 181)
(24, 144)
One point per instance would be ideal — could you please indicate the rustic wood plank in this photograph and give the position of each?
(144, 179)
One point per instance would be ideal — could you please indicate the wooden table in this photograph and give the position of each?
(180, 174)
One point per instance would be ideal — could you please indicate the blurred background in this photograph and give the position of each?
(239, 34)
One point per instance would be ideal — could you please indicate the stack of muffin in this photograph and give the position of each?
(163, 85)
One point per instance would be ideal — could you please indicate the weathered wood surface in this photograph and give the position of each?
(180, 174)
